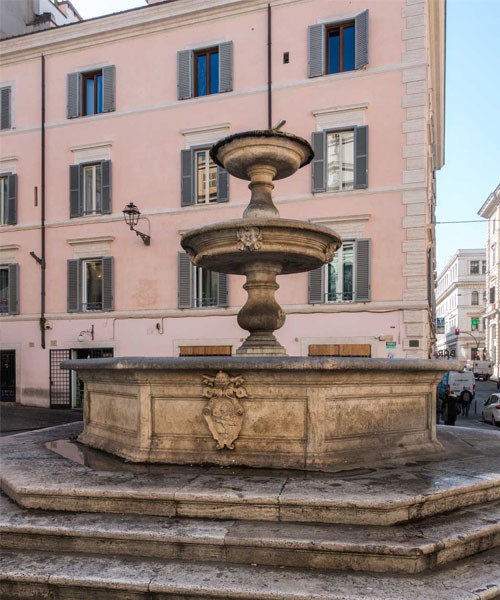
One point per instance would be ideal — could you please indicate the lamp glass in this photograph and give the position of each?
(131, 214)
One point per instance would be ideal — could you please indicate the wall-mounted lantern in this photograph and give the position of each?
(82, 334)
(131, 215)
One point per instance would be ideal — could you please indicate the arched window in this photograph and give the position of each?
(475, 298)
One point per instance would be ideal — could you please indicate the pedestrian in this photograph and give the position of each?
(465, 401)
(449, 407)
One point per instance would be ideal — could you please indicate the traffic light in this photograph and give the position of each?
(457, 330)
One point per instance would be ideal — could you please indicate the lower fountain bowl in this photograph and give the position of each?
(228, 247)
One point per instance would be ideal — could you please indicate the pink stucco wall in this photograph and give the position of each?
(145, 140)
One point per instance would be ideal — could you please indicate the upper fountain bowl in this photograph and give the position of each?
(283, 152)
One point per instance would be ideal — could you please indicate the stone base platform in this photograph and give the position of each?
(302, 413)
(111, 529)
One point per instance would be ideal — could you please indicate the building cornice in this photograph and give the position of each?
(491, 204)
(126, 25)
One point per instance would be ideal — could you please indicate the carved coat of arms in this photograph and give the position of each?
(224, 413)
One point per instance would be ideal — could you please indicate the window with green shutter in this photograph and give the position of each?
(198, 287)
(340, 159)
(337, 47)
(90, 188)
(91, 284)
(205, 71)
(8, 199)
(91, 93)
(9, 289)
(6, 107)
(346, 278)
(202, 181)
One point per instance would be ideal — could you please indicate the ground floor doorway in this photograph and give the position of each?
(7, 375)
(66, 388)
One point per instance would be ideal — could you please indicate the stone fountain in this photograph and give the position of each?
(261, 408)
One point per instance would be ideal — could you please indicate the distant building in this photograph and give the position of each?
(133, 102)
(18, 17)
(460, 304)
(491, 210)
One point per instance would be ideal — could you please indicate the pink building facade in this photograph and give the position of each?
(122, 109)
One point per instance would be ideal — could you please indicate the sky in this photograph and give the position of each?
(472, 135)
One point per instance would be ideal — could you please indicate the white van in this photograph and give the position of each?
(457, 380)
(482, 369)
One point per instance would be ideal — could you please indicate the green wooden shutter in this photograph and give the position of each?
(5, 107)
(222, 185)
(106, 187)
(361, 40)
(184, 74)
(108, 281)
(75, 204)
(226, 67)
(11, 199)
(108, 88)
(316, 295)
(13, 300)
(316, 50)
(74, 285)
(221, 289)
(318, 164)
(363, 270)
(187, 178)
(74, 95)
(361, 157)
(185, 294)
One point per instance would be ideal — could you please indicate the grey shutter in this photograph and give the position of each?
(5, 108)
(318, 164)
(361, 157)
(11, 199)
(316, 294)
(108, 88)
(184, 281)
(74, 286)
(108, 281)
(74, 97)
(222, 185)
(226, 67)
(222, 289)
(361, 40)
(106, 187)
(363, 270)
(187, 175)
(184, 74)
(13, 307)
(316, 50)
(75, 205)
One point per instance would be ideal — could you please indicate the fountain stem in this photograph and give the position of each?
(261, 314)
(261, 185)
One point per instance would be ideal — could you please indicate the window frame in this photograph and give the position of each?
(77, 292)
(208, 167)
(340, 133)
(96, 194)
(105, 94)
(77, 189)
(188, 284)
(98, 92)
(207, 52)
(474, 267)
(329, 28)
(4, 198)
(85, 284)
(10, 305)
(6, 106)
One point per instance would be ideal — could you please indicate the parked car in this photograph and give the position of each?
(491, 410)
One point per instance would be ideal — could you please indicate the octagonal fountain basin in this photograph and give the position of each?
(297, 412)
(230, 246)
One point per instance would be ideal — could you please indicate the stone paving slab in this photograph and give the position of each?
(83, 577)
(37, 477)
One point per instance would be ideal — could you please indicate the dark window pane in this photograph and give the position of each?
(89, 108)
(202, 74)
(214, 73)
(333, 51)
(4, 290)
(99, 93)
(348, 48)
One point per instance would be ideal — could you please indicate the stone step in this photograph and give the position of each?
(45, 576)
(37, 477)
(408, 548)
